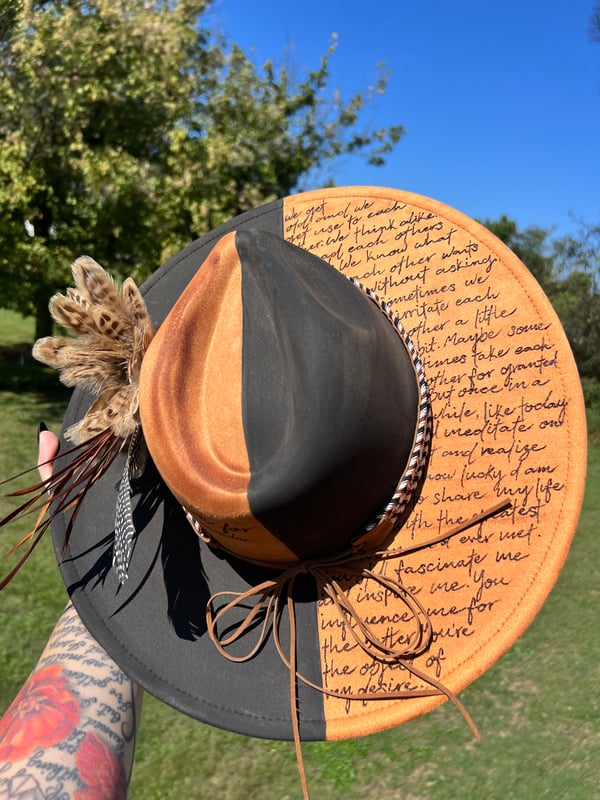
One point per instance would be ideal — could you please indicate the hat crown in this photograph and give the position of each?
(278, 402)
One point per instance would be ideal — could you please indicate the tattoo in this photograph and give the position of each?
(70, 732)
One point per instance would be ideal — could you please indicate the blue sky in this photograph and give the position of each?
(501, 101)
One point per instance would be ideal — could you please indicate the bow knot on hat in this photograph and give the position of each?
(370, 470)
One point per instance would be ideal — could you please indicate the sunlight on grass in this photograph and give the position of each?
(15, 328)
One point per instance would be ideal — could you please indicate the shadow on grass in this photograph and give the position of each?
(20, 372)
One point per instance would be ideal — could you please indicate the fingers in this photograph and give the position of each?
(47, 449)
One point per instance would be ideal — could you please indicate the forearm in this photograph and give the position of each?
(71, 731)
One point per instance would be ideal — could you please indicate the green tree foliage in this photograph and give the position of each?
(530, 245)
(595, 22)
(568, 270)
(126, 130)
(577, 295)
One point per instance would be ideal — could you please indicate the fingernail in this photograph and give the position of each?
(41, 427)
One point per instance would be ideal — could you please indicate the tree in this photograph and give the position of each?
(126, 130)
(595, 23)
(577, 295)
(89, 97)
(568, 270)
(259, 135)
(531, 245)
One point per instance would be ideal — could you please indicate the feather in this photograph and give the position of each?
(124, 527)
(111, 330)
(94, 283)
(63, 491)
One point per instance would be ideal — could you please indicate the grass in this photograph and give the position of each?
(18, 370)
(537, 709)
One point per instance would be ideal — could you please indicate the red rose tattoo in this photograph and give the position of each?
(42, 714)
(100, 769)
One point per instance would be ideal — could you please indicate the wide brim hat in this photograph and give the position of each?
(475, 551)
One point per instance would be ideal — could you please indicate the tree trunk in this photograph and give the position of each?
(42, 292)
(43, 320)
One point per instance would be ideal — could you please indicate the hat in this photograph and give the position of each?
(358, 492)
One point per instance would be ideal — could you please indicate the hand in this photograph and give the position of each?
(72, 728)
(47, 449)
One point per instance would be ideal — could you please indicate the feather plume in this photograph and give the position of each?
(110, 331)
(63, 491)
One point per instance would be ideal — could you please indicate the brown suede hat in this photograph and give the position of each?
(369, 484)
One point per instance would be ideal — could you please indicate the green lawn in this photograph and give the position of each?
(537, 709)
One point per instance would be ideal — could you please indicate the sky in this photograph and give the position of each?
(500, 101)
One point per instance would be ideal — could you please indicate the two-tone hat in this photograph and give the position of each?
(365, 463)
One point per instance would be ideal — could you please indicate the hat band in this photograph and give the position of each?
(377, 531)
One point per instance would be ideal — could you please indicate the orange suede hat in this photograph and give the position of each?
(370, 485)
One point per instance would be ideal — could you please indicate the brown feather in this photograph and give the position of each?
(63, 491)
(112, 332)
(48, 350)
(94, 283)
(71, 315)
(109, 322)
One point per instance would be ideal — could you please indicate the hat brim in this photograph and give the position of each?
(509, 424)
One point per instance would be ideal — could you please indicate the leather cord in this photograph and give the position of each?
(267, 600)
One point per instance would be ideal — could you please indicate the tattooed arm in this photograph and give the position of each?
(71, 730)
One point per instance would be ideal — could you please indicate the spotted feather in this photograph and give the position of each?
(112, 332)
(94, 283)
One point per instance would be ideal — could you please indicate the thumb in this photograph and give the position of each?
(47, 449)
